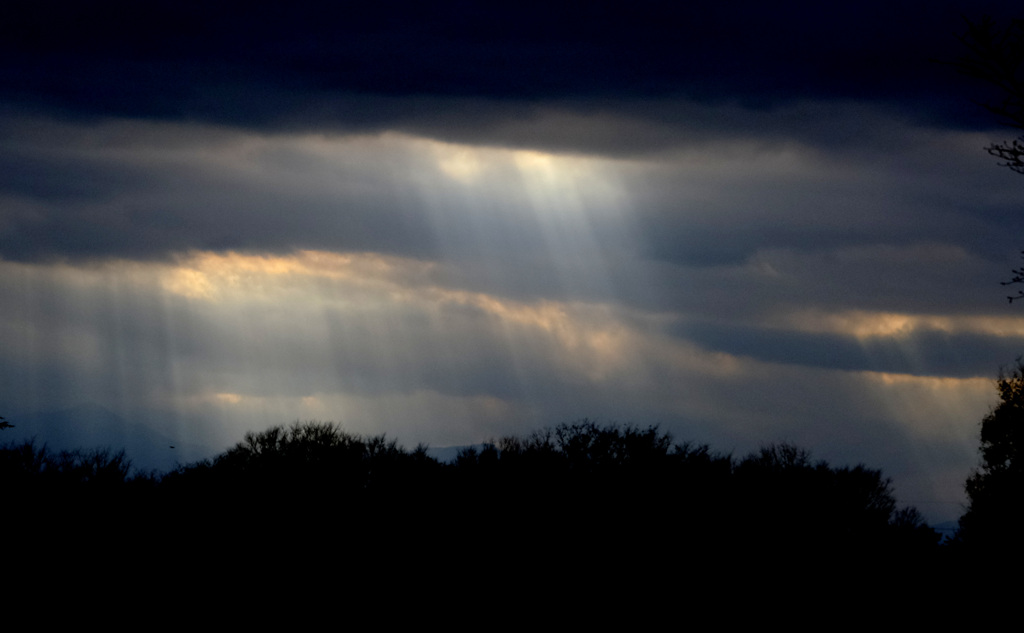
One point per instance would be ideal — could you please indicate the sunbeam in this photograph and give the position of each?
(197, 282)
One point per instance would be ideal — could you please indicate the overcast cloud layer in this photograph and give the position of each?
(448, 223)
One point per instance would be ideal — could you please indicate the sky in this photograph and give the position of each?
(448, 222)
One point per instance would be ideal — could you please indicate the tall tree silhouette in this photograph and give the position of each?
(996, 56)
(993, 518)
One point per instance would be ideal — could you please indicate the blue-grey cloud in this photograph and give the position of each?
(920, 353)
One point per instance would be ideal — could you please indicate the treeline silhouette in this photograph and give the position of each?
(582, 493)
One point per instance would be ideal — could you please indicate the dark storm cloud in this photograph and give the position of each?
(616, 79)
(296, 64)
(57, 178)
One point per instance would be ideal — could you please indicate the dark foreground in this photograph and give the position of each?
(622, 508)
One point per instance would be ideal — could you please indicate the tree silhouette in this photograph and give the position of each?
(586, 499)
(996, 508)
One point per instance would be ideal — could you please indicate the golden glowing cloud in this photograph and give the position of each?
(462, 164)
(211, 276)
(591, 338)
(864, 324)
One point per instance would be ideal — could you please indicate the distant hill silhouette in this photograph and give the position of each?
(448, 454)
(91, 426)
